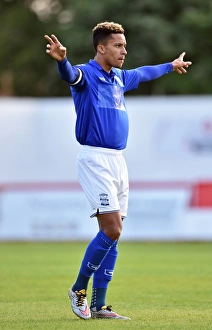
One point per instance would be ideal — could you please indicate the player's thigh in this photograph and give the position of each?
(96, 176)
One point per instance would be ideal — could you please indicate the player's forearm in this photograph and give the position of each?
(154, 71)
(67, 72)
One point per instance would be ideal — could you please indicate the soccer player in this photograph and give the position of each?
(98, 89)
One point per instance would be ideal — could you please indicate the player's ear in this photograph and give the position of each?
(101, 49)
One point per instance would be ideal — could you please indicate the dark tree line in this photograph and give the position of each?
(156, 32)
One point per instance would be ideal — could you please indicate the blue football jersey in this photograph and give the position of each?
(102, 119)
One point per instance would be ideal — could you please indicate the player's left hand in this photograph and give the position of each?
(179, 64)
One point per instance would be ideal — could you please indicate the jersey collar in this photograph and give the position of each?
(98, 66)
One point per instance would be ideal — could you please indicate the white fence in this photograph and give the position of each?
(169, 156)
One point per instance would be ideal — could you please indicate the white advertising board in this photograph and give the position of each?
(64, 215)
(45, 215)
(168, 154)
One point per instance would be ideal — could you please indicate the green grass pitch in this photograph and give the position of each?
(158, 285)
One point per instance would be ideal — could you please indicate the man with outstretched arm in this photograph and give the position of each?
(98, 89)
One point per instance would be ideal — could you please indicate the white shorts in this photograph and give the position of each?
(103, 175)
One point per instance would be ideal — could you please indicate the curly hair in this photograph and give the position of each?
(102, 32)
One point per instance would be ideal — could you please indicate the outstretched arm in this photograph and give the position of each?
(56, 50)
(179, 64)
(155, 71)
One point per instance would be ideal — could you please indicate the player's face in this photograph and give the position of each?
(115, 51)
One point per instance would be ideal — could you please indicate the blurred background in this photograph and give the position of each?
(169, 153)
(156, 32)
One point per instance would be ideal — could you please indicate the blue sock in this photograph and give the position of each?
(102, 277)
(94, 255)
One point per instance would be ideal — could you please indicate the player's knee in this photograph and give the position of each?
(113, 233)
(111, 225)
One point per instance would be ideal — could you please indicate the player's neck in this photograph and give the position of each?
(102, 63)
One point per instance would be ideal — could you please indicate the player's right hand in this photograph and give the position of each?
(54, 48)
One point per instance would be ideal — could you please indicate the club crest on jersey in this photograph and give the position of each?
(104, 200)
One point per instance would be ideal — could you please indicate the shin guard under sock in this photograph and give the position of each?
(94, 255)
(102, 277)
